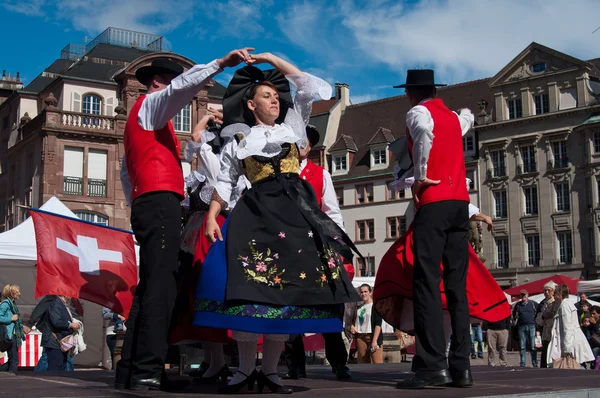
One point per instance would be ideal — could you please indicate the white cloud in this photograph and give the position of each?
(470, 38)
(239, 18)
(27, 7)
(357, 99)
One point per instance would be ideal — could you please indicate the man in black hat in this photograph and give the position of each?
(441, 231)
(154, 169)
(335, 349)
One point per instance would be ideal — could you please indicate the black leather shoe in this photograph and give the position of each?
(343, 373)
(426, 378)
(291, 375)
(461, 378)
(155, 383)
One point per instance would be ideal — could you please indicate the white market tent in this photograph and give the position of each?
(573, 299)
(18, 256)
(589, 286)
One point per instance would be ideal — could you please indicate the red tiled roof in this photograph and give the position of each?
(362, 121)
(323, 106)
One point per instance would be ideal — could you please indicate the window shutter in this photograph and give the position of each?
(76, 102)
(97, 164)
(73, 162)
(110, 108)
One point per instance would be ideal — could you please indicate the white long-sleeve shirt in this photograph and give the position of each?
(329, 202)
(420, 126)
(161, 106)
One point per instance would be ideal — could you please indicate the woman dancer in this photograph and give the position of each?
(280, 270)
(205, 144)
(393, 284)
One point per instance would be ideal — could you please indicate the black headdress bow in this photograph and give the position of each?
(400, 150)
(237, 94)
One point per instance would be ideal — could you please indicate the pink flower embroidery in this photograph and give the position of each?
(310, 234)
(261, 267)
(282, 235)
(245, 258)
(276, 256)
(331, 263)
(245, 264)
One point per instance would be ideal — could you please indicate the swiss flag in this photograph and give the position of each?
(83, 260)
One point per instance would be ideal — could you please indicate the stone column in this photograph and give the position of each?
(553, 97)
(582, 92)
(526, 102)
(500, 107)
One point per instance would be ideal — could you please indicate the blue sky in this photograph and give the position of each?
(368, 44)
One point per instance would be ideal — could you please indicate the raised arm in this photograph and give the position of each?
(467, 120)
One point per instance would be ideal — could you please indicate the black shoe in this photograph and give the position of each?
(199, 372)
(473, 356)
(461, 378)
(302, 374)
(236, 388)
(426, 378)
(342, 373)
(292, 375)
(221, 376)
(263, 380)
(156, 383)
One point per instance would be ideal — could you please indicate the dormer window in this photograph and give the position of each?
(379, 157)
(340, 163)
(538, 68)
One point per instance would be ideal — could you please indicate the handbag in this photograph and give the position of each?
(67, 343)
(5, 341)
(566, 363)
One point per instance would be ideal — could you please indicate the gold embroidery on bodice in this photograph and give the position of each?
(258, 168)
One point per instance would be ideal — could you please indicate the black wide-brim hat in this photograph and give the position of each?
(313, 135)
(158, 67)
(238, 92)
(420, 78)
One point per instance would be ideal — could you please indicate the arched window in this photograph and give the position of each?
(92, 217)
(92, 105)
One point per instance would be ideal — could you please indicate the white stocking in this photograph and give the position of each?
(272, 348)
(246, 343)
(216, 359)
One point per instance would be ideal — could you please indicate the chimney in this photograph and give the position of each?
(4, 74)
(342, 92)
(18, 77)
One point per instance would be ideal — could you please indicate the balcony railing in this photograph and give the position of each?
(96, 188)
(73, 186)
(86, 121)
(496, 172)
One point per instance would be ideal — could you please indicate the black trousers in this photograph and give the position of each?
(13, 358)
(545, 345)
(111, 342)
(441, 232)
(156, 222)
(57, 359)
(335, 352)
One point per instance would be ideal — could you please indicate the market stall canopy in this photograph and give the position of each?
(589, 286)
(537, 287)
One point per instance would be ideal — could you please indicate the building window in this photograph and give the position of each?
(501, 205)
(533, 250)
(366, 266)
(92, 217)
(468, 143)
(528, 158)
(539, 67)
(597, 142)
(563, 196)
(379, 157)
(396, 226)
(502, 253)
(339, 163)
(559, 149)
(92, 105)
(531, 200)
(183, 119)
(339, 192)
(498, 166)
(365, 230)
(393, 194)
(542, 104)
(97, 165)
(73, 171)
(515, 109)
(364, 193)
(471, 177)
(565, 247)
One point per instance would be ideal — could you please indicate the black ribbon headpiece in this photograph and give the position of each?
(237, 94)
(400, 150)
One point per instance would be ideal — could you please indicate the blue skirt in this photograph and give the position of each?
(211, 309)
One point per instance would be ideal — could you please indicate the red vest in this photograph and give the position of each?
(446, 158)
(152, 157)
(313, 174)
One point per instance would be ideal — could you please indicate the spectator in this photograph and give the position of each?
(524, 314)
(115, 324)
(585, 311)
(60, 323)
(10, 316)
(497, 340)
(568, 341)
(582, 301)
(545, 318)
(476, 337)
(367, 330)
(594, 330)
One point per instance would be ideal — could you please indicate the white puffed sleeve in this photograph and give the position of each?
(229, 172)
(473, 210)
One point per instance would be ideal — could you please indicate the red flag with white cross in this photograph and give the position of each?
(80, 259)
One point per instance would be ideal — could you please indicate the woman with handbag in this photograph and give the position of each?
(58, 338)
(568, 347)
(14, 332)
